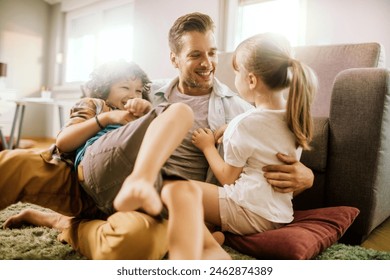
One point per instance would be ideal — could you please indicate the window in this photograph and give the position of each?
(96, 34)
(286, 17)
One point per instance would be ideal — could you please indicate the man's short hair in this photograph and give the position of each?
(190, 22)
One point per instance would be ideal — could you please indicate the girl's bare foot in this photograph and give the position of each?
(38, 218)
(136, 194)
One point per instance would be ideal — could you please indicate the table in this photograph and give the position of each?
(19, 115)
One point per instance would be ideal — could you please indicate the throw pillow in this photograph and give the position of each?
(311, 232)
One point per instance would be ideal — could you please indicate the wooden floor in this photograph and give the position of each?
(36, 143)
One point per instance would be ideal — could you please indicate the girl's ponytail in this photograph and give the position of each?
(302, 88)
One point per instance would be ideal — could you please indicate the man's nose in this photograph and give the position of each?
(206, 61)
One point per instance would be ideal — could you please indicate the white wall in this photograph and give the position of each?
(26, 39)
(153, 19)
(23, 46)
(349, 21)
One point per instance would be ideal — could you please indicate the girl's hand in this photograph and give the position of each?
(218, 134)
(138, 106)
(203, 138)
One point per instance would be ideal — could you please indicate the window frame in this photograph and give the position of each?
(232, 22)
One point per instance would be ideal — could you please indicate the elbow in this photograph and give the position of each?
(63, 145)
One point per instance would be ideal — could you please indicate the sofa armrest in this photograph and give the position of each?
(359, 147)
(316, 158)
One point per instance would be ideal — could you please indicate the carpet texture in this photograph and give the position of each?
(40, 243)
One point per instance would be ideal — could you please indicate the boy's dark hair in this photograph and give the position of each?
(102, 78)
(191, 22)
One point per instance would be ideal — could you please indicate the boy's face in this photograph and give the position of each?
(122, 91)
(196, 62)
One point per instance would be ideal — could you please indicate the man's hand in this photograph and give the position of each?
(291, 177)
(138, 106)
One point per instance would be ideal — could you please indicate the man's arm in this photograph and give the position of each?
(291, 177)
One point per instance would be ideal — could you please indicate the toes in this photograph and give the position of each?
(10, 223)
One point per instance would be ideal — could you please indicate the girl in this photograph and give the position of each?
(246, 203)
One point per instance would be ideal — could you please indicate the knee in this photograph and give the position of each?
(183, 112)
(181, 191)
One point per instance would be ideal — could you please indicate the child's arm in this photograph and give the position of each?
(225, 173)
(73, 136)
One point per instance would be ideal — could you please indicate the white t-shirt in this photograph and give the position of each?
(252, 141)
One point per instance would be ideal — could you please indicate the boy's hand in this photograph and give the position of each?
(203, 138)
(116, 117)
(138, 106)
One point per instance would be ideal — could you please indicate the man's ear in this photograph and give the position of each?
(173, 60)
(252, 80)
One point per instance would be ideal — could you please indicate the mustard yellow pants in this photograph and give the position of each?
(34, 177)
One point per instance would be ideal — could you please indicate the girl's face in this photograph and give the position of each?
(241, 80)
(122, 91)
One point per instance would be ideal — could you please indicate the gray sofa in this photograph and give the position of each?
(351, 148)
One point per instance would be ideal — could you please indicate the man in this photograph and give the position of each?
(135, 235)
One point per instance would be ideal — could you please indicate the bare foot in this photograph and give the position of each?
(38, 218)
(219, 237)
(215, 252)
(135, 194)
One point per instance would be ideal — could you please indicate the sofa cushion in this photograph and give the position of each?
(311, 232)
(329, 60)
(326, 60)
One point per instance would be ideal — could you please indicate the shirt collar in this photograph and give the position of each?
(219, 89)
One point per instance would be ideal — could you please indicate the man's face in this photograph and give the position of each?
(196, 62)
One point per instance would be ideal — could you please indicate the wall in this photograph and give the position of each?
(349, 21)
(29, 39)
(153, 18)
(23, 46)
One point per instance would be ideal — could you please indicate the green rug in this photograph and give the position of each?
(40, 243)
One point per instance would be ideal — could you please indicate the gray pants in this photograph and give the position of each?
(109, 160)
